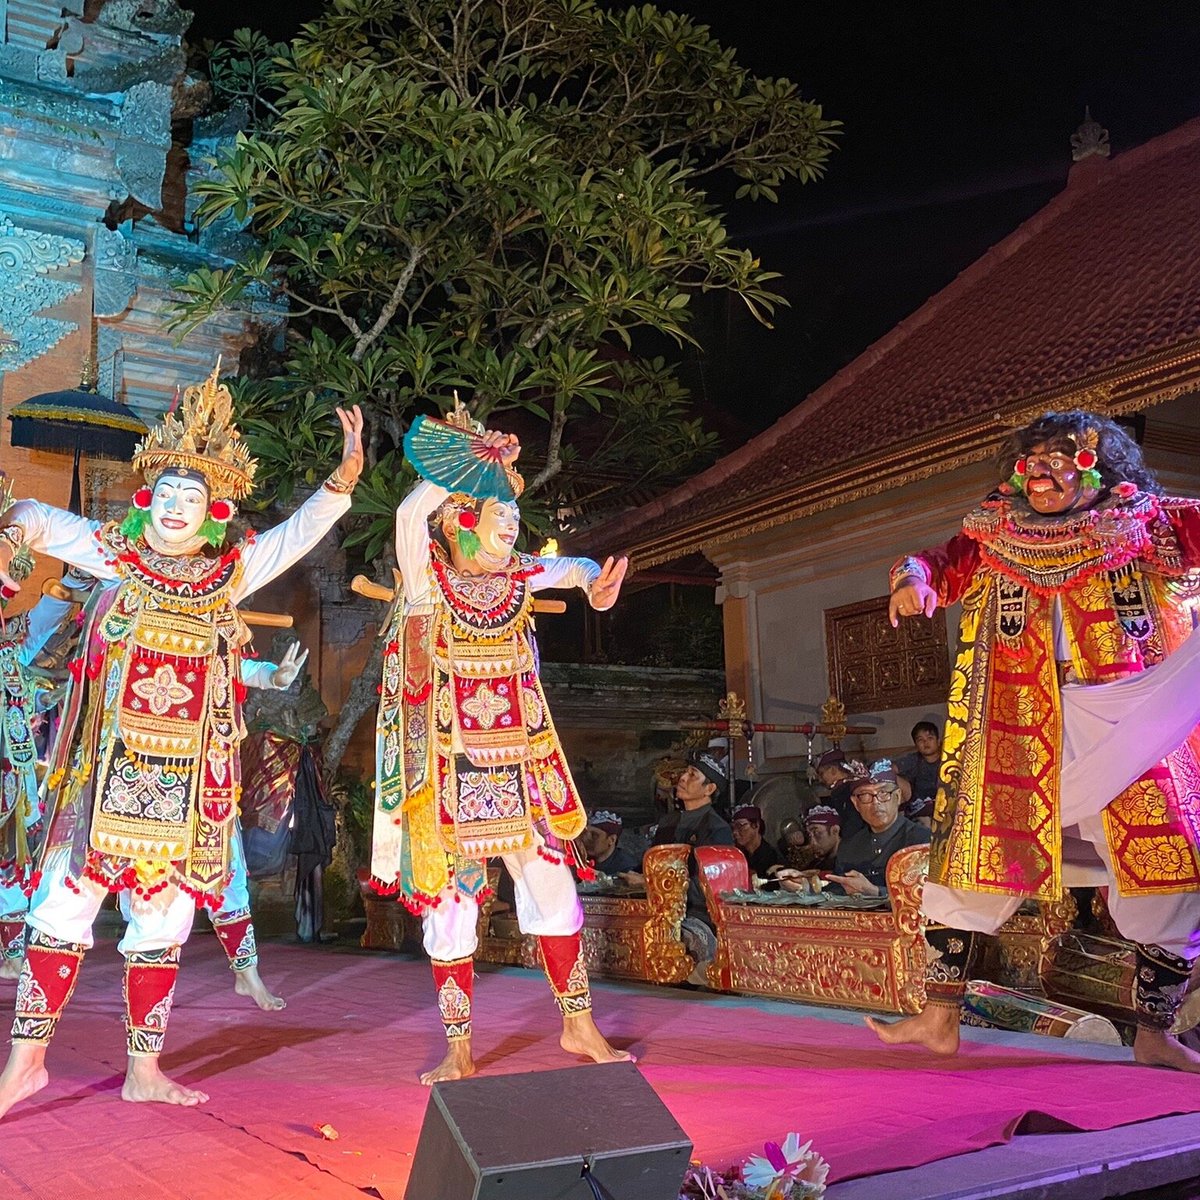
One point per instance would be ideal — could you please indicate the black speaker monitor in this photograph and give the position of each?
(583, 1133)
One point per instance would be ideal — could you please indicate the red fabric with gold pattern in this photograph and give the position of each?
(455, 982)
(149, 993)
(47, 980)
(1119, 574)
(562, 958)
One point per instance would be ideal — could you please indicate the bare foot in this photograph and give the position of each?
(935, 1027)
(10, 968)
(24, 1075)
(248, 982)
(457, 1064)
(1157, 1048)
(146, 1084)
(580, 1036)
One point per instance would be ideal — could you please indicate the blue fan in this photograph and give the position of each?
(456, 459)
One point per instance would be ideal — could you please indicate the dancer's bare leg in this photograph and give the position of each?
(581, 1036)
(1157, 1048)
(457, 1064)
(935, 1028)
(24, 1074)
(248, 982)
(146, 1084)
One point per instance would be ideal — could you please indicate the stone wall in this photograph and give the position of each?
(615, 722)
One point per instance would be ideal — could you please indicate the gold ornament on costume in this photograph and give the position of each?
(201, 437)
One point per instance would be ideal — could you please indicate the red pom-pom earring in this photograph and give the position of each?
(221, 511)
(142, 498)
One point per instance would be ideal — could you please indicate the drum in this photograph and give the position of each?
(999, 1007)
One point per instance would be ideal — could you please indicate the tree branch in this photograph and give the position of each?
(364, 342)
(554, 463)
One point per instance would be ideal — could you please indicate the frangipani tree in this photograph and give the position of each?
(502, 197)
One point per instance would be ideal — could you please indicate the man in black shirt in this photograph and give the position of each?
(600, 841)
(862, 859)
(697, 823)
(748, 828)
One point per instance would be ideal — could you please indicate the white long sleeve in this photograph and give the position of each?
(62, 535)
(565, 573)
(256, 673)
(412, 541)
(284, 545)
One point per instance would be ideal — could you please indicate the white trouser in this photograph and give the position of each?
(237, 891)
(13, 902)
(1112, 734)
(165, 919)
(547, 903)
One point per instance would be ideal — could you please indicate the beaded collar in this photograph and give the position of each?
(1046, 551)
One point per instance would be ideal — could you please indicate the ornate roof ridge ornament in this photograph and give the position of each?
(1090, 140)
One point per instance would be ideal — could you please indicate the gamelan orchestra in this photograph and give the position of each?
(1072, 741)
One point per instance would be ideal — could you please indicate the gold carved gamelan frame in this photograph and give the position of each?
(623, 937)
(856, 958)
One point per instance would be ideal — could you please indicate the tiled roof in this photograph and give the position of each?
(1104, 278)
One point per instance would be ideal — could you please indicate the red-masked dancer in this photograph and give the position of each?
(469, 763)
(144, 775)
(1072, 715)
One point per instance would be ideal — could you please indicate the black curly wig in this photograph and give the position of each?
(1119, 456)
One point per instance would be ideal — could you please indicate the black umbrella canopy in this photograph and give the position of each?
(76, 422)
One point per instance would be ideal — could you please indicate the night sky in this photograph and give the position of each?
(957, 119)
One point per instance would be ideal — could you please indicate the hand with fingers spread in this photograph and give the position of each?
(289, 667)
(606, 587)
(350, 468)
(911, 599)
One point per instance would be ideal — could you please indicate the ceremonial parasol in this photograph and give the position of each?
(79, 421)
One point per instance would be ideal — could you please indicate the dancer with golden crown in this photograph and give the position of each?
(469, 764)
(1073, 710)
(144, 778)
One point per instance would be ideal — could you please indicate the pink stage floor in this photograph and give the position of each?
(359, 1027)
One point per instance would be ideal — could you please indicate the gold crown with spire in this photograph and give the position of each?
(200, 436)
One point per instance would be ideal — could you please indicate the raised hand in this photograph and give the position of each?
(350, 468)
(289, 667)
(507, 443)
(607, 585)
(911, 600)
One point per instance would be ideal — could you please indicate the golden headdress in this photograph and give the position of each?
(200, 436)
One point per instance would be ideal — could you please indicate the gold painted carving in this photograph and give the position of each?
(622, 937)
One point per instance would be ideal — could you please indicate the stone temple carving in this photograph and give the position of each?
(28, 259)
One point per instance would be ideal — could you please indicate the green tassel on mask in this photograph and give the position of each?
(1091, 479)
(213, 532)
(1016, 482)
(136, 520)
(469, 543)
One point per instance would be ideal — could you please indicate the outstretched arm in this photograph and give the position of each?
(938, 576)
(602, 584)
(271, 553)
(55, 533)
